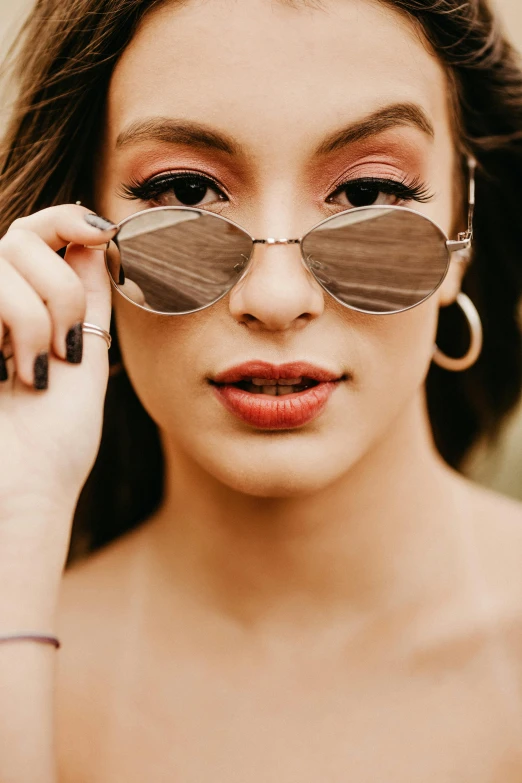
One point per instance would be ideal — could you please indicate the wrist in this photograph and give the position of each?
(37, 505)
(33, 551)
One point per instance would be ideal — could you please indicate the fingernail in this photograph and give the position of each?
(121, 278)
(41, 371)
(99, 222)
(4, 375)
(74, 344)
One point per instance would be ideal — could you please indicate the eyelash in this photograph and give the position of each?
(154, 187)
(151, 189)
(415, 190)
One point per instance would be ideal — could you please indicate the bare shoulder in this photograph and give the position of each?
(93, 590)
(495, 542)
(92, 620)
(93, 587)
(497, 525)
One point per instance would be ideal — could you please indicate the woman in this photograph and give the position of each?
(310, 589)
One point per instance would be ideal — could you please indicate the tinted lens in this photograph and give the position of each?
(177, 260)
(379, 260)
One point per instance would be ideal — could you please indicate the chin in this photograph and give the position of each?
(266, 483)
(283, 465)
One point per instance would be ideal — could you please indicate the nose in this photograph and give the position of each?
(278, 292)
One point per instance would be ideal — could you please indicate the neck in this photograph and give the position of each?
(382, 536)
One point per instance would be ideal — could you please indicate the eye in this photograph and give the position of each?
(176, 189)
(369, 191)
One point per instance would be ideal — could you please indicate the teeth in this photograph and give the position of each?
(273, 391)
(280, 382)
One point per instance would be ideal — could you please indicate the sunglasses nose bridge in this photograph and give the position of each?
(310, 264)
(270, 242)
(273, 241)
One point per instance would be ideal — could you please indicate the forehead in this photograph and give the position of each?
(260, 68)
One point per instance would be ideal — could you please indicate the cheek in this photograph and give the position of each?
(159, 355)
(394, 354)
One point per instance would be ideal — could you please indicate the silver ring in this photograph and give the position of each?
(93, 329)
(87, 328)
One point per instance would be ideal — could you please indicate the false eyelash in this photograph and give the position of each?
(151, 189)
(415, 190)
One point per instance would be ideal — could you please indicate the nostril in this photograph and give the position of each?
(276, 322)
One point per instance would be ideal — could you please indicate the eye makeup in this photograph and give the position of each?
(190, 188)
(187, 186)
(361, 189)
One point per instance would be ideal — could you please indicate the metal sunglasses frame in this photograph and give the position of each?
(462, 243)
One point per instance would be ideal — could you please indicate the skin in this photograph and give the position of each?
(329, 603)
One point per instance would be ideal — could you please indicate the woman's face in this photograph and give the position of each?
(270, 84)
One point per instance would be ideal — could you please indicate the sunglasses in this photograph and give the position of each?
(374, 259)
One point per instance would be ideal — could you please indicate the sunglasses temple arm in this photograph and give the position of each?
(472, 165)
(464, 240)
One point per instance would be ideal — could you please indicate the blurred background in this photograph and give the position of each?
(500, 467)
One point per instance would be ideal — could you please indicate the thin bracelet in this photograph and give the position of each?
(33, 637)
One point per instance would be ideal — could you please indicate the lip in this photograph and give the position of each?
(276, 413)
(260, 369)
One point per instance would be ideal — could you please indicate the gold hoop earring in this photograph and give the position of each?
(475, 347)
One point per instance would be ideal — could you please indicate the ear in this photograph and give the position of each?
(453, 281)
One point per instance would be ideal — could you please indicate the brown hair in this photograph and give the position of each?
(63, 61)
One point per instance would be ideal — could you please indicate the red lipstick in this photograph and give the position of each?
(242, 392)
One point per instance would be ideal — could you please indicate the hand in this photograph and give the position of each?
(50, 435)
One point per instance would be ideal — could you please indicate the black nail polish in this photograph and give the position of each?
(121, 278)
(97, 221)
(41, 371)
(74, 344)
(4, 375)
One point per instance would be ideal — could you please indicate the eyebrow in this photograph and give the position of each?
(397, 114)
(173, 131)
(176, 132)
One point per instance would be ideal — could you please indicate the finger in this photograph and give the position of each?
(60, 225)
(55, 282)
(29, 325)
(89, 266)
